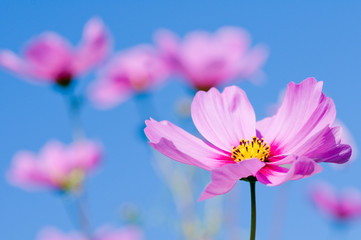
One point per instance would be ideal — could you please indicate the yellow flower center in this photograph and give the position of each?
(254, 149)
(73, 180)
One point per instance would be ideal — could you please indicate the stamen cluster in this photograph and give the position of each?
(255, 149)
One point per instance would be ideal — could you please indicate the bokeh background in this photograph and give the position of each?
(305, 38)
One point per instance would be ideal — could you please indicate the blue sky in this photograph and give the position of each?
(305, 38)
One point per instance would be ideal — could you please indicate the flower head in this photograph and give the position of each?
(133, 71)
(287, 146)
(208, 60)
(341, 206)
(51, 233)
(129, 232)
(56, 166)
(51, 58)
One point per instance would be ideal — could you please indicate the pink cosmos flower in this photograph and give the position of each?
(341, 206)
(56, 166)
(130, 72)
(287, 146)
(54, 234)
(208, 60)
(51, 58)
(125, 233)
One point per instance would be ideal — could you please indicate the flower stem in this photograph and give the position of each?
(74, 104)
(253, 214)
(74, 107)
(84, 223)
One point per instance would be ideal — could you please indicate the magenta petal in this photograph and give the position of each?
(325, 147)
(12, 62)
(51, 233)
(106, 93)
(324, 197)
(53, 166)
(343, 206)
(253, 61)
(224, 118)
(85, 155)
(49, 56)
(181, 146)
(168, 44)
(94, 47)
(301, 167)
(25, 172)
(126, 233)
(350, 203)
(225, 177)
(304, 112)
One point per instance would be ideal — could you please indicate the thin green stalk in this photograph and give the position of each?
(253, 214)
(84, 221)
(74, 107)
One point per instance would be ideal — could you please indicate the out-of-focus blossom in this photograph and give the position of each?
(133, 71)
(126, 233)
(51, 233)
(106, 233)
(51, 58)
(342, 206)
(287, 146)
(56, 166)
(208, 60)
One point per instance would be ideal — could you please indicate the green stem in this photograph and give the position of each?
(253, 215)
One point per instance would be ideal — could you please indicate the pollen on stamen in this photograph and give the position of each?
(255, 149)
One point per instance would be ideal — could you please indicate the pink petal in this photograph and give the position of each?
(325, 146)
(12, 62)
(51, 233)
(181, 146)
(26, 173)
(54, 164)
(125, 233)
(301, 167)
(225, 177)
(324, 198)
(106, 94)
(85, 155)
(348, 139)
(135, 70)
(208, 60)
(94, 46)
(49, 56)
(304, 112)
(350, 203)
(54, 160)
(168, 43)
(342, 206)
(224, 119)
(253, 61)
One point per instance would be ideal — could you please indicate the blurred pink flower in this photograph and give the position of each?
(135, 70)
(208, 60)
(287, 146)
(125, 233)
(340, 206)
(56, 166)
(51, 58)
(51, 233)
